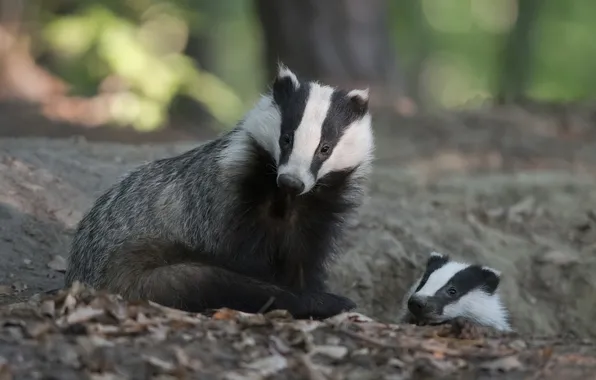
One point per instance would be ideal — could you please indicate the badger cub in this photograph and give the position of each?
(449, 290)
(249, 220)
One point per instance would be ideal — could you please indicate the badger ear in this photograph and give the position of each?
(436, 260)
(435, 254)
(492, 278)
(359, 99)
(285, 83)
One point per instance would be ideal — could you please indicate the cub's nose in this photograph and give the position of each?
(290, 183)
(417, 306)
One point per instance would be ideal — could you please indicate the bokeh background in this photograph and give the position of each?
(196, 65)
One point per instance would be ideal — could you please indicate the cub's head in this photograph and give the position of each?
(312, 130)
(449, 289)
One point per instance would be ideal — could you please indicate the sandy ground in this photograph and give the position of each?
(511, 188)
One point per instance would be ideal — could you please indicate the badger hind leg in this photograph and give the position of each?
(146, 271)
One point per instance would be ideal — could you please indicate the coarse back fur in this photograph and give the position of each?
(249, 219)
(450, 289)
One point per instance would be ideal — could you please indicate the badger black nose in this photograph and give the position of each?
(290, 183)
(417, 306)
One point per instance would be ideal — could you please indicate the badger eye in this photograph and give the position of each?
(452, 291)
(325, 149)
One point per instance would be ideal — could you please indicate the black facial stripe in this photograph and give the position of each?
(467, 280)
(291, 103)
(340, 115)
(433, 263)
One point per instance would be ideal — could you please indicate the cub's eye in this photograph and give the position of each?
(325, 149)
(286, 139)
(451, 291)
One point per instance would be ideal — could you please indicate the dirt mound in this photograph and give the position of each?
(506, 188)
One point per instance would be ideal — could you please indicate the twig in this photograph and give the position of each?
(367, 339)
(266, 305)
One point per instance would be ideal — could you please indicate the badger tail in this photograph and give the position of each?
(165, 274)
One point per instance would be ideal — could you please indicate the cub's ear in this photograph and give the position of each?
(359, 99)
(492, 278)
(436, 258)
(285, 83)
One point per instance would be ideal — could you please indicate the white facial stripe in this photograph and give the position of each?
(440, 277)
(481, 308)
(308, 135)
(356, 146)
(262, 123)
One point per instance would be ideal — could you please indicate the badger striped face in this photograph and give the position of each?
(320, 129)
(450, 289)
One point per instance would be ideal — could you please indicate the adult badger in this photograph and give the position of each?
(249, 220)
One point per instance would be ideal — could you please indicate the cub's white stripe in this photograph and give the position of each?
(440, 277)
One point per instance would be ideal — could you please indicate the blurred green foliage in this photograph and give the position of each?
(460, 44)
(456, 47)
(142, 42)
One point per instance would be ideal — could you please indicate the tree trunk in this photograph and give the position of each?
(340, 42)
(516, 62)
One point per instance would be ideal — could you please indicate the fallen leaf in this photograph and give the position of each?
(280, 345)
(269, 365)
(58, 263)
(240, 376)
(306, 325)
(349, 316)
(83, 314)
(505, 364)
(335, 352)
(160, 364)
(69, 303)
(395, 362)
(224, 314)
(48, 308)
(106, 376)
(439, 355)
(279, 314)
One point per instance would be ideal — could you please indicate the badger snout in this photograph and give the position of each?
(290, 184)
(420, 307)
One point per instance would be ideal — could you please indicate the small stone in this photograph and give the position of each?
(5, 290)
(58, 263)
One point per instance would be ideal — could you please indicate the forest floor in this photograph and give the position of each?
(509, 187)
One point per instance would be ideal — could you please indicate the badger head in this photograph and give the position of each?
(311, 130)
(450, 289)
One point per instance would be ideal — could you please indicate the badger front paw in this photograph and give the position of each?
(316, 305)
(326, 305)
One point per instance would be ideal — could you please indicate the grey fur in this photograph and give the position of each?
(191, 201)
